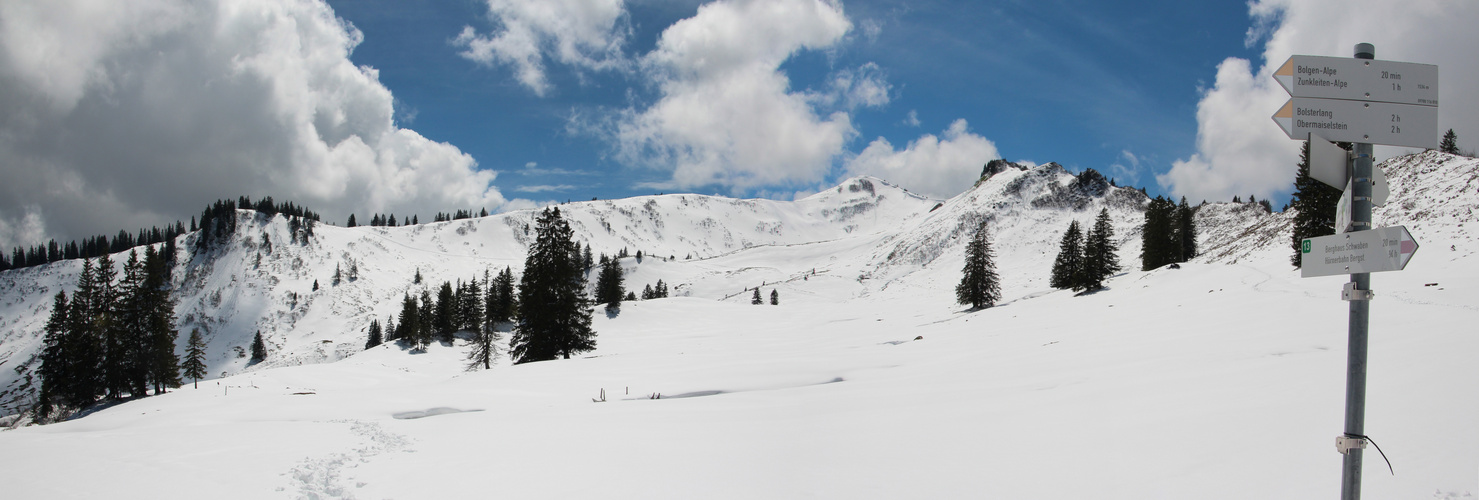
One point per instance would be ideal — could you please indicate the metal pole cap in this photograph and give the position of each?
(1365, 51)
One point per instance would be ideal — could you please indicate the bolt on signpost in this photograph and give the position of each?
(1366, 102)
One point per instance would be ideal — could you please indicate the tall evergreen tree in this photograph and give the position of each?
(409, 332)
(504, 300)
(775, 297)
(259, 349)
(755, 298)
(1101, 258)
(159, 324)
(444, 322)
(1313, 204)
(194, 365)
(350, 222)
(1158, 234)
(1070, 262)
(1450, 143)
(979, 285)
(376, 336)
(55, 370)
(554, 320)
(609, 286)
(1185, 232)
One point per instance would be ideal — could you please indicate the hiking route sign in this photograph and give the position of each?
(1377, 250)
(1359, 100)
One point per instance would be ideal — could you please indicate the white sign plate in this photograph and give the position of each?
(1377, 250)
(1359, 80)
(1356, 121)
(1329, 163)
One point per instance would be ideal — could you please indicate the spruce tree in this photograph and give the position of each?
(1101, 258)
(409, 331)
(775, 297)
(160, 333)
(259, 349)
(1069, 264)
(1313, 204)
(55, 370)
(609, 288)
(554, 320)
(351, 222)
(979, 285)
(1185, 231)
(1158, 234)
(83, 341)
(194, 365)
(1450, 143)
(755, 299)
(376, 336)
(444, 322)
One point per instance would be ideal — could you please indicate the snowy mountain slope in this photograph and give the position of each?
(1217, 380)
(261, 281)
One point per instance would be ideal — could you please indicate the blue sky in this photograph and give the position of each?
(1086, 84)
(124, 115)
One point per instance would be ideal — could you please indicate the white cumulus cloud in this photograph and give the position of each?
(936, 166)
(130, 114)
(585, 34)
(1239, 149)
(727, 115)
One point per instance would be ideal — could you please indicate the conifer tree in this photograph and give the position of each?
(409, 332)
(554, 320)
(755, 299)
(1313, 204)
(55, 370)
(1185, 232)
(376, 336)
(351, 222)
(444, 322)
(609, 287)
(1101, 259)
(1450, 143)
(775, 297)
(1069, 264)
(194, 365)
(979, 285)
(259, 349)
(1158, 234)
(159, 325)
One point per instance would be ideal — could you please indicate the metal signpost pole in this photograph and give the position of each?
(1355, 382)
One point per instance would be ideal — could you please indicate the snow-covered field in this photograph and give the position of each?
(1222, 379)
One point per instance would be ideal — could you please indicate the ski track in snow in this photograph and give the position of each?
(328, 477)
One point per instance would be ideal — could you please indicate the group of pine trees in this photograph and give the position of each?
(1169, 235)
(214, 220)
(775, 297)
(1084, 263)
(480, 307)
(389, 220)
(113, 338)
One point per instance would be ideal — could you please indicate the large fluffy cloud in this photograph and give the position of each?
(929, 165)
(128, 114)
(1239, 149)
(580, 33)
(727, 115)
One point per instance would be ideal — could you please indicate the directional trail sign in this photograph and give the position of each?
(1357, 121)
(1377, 250)
(1359, 80)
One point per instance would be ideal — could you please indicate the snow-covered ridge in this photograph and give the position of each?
(864, 237)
